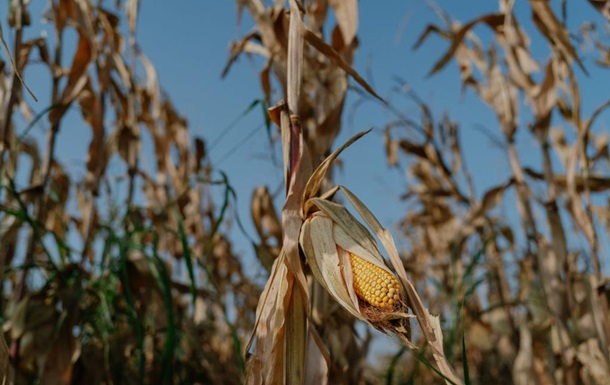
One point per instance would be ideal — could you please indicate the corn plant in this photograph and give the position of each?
(532, 297)
(289, 348)
(110, 277)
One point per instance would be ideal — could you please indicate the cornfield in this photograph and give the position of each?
(128, 268)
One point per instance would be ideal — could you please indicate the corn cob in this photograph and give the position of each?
(373, 284)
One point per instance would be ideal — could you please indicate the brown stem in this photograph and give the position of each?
(498, 274)
(549, 279)
(561, 288)
(527, 216)
(133, 122)
(582, 129)
(88, 235)
(88, 229)
(38, 203)
(15, 85)
(558, 237)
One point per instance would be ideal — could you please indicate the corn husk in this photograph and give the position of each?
(327, 236)
(330, 232)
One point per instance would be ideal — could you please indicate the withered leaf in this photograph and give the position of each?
(603, 6)
(553, 30)
(391, 148)
(593, 183)
(77, 78)
(346, 12)
(328, 51)
(492, 20)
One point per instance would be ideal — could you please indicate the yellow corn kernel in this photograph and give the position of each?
(373, 284)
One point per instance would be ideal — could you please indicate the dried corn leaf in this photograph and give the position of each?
(391, 148)
(544, 98)
(492, 20)
(553, 30)
(315, 181)
(132, 11)
(77, 78)
(296, 343)
(603, 6)
(491, 199)
(592, 183)
(265, 366)
(595, 364)
(265, 219)
(328, 51)
(317, 359)
(346, 12)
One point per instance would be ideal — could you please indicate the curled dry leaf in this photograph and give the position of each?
(391, 148)
(77, 78)
(328, 51)
(457, 37)
(267, 225)
(553, 30)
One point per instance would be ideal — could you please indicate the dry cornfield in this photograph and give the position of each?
(132, 277)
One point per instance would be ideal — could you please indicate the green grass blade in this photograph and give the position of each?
(465, 360)
(161, 276)
(188, 258)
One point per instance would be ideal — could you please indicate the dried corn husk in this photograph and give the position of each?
(328, 237)
(330, 233)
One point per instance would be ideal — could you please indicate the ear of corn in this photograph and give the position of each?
(373, 284)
